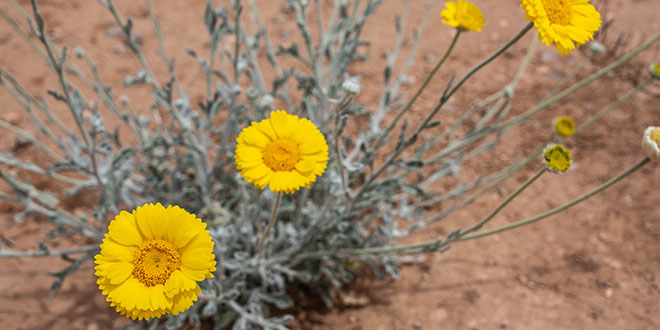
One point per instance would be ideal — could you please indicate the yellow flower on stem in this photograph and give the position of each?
(556, 158)
(564, 126)
(151, 260)
(563, 23)
(651, 143)
(283, 152)
(463, 15)
(655, 71)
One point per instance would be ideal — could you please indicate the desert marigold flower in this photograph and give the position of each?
(284, 152)
(463, 15)
(151, 260)
(564, 126)
(563, 23)
(556, 158)
(655, 71)
(651, 143)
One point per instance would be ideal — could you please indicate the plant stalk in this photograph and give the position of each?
(269, 227)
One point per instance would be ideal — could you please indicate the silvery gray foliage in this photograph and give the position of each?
(374, 188)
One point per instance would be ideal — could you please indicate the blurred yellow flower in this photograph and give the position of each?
(284, 152)
(151, 260)
(563, 23)
(556, 158)
(655, 71)
(564, 126)
(651, 143)
(462, 15)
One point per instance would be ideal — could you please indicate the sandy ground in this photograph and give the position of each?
(595, 266)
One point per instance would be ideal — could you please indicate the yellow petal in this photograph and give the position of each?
(124, 230)
(152, 220)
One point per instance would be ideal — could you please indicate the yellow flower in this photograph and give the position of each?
(563, 22)
(284, 152)
(651, 143)
(462, 15)
(655, 71)
(564, 126)
(152, 259)
(556, 158)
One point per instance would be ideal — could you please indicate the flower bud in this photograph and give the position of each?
(597, 47)
(564, 126)
(651, 143)
(351, 86)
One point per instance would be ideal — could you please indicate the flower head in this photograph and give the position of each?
(556, 158)
(655, 71)
(351, 86)
(283, 152)
(563, 23)
(651, 143)
(463, 15)
(151, 260)
(564, 126)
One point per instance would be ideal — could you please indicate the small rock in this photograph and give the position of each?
(417, 325)
(13, 117)
(120, 49)
(431, 59)
(609, 292)
(353, 300)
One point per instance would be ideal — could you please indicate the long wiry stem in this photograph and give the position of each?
(269, 227)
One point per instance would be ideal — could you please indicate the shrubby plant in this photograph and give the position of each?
(289, 200)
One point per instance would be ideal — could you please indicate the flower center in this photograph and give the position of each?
(557, 158)
(655, 136)
(281, 155)
(559, 11)
(155, 261)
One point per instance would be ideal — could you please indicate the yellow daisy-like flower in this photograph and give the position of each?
(564, 126)
(563, 23)
(651, 143)
(283, 152)
(556, 158)
(655, 71)
(151, 260)
(463, 15)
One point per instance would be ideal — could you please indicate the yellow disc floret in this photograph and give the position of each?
(558, 11)
(154, 261)
(151, 260)
(563, 23)
(564, 126)
(281, 155)
(556, 158)
(462, 15)
(283, 152)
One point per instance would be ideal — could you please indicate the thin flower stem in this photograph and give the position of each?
(420, 90)
(442, 101)
(561, 208)
(441, 242)
(480, 224)
(613, 105)
(570, 75)
(271, 224)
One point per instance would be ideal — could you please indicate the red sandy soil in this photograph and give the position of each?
(595, 266)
